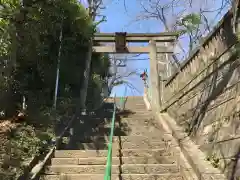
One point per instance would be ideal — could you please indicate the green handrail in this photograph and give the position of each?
(108, 170)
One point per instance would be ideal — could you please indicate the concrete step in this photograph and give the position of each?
(134, 106)
(124, 122)
(132, 139)
(131, 130)
(79, 169)
(156, 153)
(150, 145)
(84, 161)
(140, 110)
(140, 100)
(138, 123)
(115, 160)
(151, 129)
(124, 127)
(149, 168)
(137, 114)
(82, 153)
(150, 138)
(124, 145)
(125, 153)
(105, 131)
(172, 176)
(140, 118)
(100, 169)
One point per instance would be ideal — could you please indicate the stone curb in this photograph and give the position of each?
(194, 156)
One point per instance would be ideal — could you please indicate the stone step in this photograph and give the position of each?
(84, 161)
(136, 114)
(149, 168)
(79, 169)
(82, 153)
(139, 122)
(130, 123)
(124, 152)
(105, 131)
(125, 168)
(172, 176)
(156, 153)
(124, 145)
(132, 107)
(127, 131)
(133, 139)
(140, 119)
(151, 129)
(115, 160)
(141, 109)
(150, 145)
(131, 100)
(135, 102)
(123, 129)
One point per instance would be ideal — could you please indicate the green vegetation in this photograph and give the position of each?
(29, 50)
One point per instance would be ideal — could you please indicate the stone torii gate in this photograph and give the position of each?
(159, 45)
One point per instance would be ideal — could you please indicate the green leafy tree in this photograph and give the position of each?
(189, 25)
(29, 52)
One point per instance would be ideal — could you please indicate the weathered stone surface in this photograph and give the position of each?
(84, 161)
(146, 137)
(204, 95)
(82, 153)
(77, 169)
(172, 176)
(115, 160)
(126, 145)
(100, 169)
(150, 145)
(146, 152)
(196, 160)
(149, 168)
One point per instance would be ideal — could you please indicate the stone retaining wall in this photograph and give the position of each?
(203, 97)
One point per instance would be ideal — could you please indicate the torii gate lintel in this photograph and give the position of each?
(122, 38)
(156, 53)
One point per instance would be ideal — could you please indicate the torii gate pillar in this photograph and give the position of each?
(154, 76)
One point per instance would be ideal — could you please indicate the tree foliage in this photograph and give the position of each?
(189, 24)
(29, 45)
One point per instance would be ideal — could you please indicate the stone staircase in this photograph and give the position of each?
(141, 150)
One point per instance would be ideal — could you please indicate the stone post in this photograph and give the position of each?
(154, 76)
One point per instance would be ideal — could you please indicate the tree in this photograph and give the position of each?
(29, 55)
(93, 7)
(189, 25)
(118, 76)
(170, 12)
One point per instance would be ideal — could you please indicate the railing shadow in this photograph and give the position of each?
(215, 90)
(91, 131)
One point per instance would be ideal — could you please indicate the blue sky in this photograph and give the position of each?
(118, 19)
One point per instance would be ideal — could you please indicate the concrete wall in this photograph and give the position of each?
(204, 98)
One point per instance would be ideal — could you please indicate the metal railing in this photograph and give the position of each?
(121, 106)
(123, 100)
(108, 170)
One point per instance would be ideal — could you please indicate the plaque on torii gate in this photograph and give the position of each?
(120, 42)
(156, 45)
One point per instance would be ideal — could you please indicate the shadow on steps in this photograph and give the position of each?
(97, 125)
